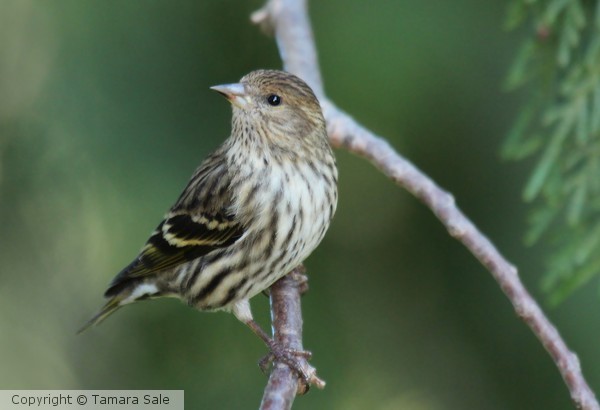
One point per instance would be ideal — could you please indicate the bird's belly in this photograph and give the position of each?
(291, 218)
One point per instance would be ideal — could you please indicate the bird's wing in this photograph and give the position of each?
(181, 238)
(198, 223)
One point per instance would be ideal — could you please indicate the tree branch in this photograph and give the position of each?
(288, 20)
(286, 316)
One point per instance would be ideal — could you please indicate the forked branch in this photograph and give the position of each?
(288, 21)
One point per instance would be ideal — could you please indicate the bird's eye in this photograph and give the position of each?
(274, 100)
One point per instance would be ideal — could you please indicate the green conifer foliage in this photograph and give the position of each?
(559, 125)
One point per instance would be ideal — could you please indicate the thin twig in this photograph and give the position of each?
(288, 20)
(286, 316)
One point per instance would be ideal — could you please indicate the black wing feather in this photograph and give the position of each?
(177, 240)
(198, 223)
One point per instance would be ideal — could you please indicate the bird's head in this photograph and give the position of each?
(277, 105)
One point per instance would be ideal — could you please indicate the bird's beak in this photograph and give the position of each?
(235, 93)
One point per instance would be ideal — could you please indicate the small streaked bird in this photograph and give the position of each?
(252, 211)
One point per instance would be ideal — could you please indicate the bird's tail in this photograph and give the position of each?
(124, 295)
(109, 308)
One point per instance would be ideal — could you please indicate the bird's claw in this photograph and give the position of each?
(278, 353)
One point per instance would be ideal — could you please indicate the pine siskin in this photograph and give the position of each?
(252, 211)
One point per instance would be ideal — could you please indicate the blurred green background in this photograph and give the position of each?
(105, 112)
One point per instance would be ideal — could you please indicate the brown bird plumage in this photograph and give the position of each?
(252, 211)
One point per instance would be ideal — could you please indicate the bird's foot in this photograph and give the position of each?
(278, 353)
(297, 360)
(301, 279)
